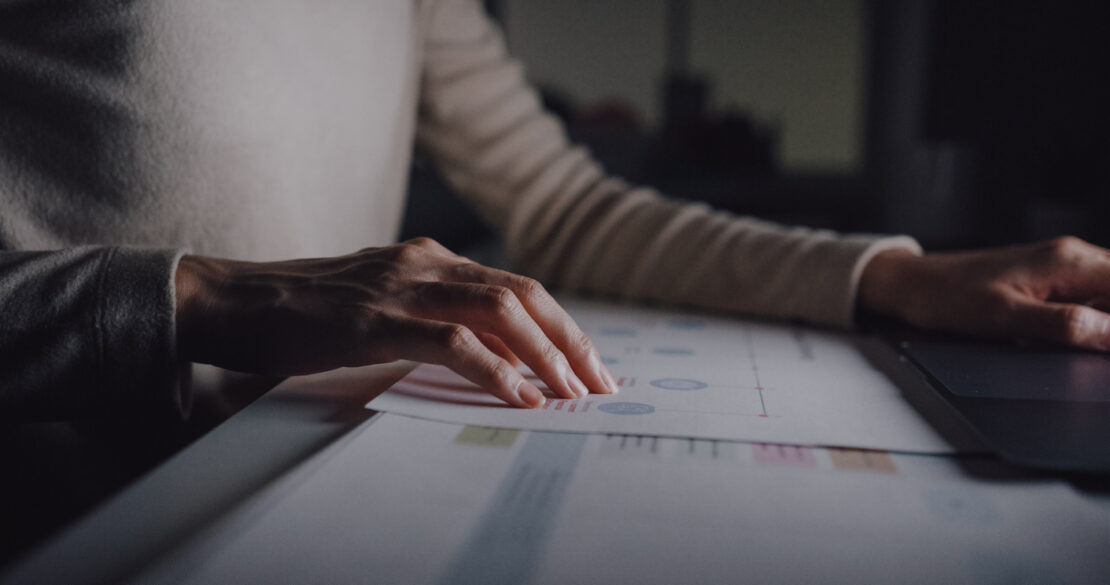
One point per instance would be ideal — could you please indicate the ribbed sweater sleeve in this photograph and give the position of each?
(564, 221)
(89, 330)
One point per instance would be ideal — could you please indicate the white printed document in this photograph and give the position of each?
(690, 375)
(416, 502)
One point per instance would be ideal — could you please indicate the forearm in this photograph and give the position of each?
(88, 331)
(688, 254)
(566, 223)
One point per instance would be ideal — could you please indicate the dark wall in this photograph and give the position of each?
(1011, 103)
(986, 123)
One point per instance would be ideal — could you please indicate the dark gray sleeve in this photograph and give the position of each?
(89, 331)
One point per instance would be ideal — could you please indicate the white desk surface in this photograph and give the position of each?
(280, 447)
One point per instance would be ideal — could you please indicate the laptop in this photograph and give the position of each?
(1038, 407)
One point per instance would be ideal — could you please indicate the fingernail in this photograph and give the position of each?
(602, 372)
(530, 395)
(577, 385)
(613, 388)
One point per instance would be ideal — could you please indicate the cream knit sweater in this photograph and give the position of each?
(270, 129)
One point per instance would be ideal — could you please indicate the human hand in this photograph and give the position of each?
(1057, 290)
(415, 300)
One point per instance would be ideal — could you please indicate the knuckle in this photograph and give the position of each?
(407, 254)
(431, 246)
(462, 269)
(421, 242)
(579, 340)
(552, 355)
(502, 301)
(457, 338)
(1073, 323)
(498, 373)
(1065, 248)
(530, 289)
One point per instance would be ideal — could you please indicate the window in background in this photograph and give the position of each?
(753, 106)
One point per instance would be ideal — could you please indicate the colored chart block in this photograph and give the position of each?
(673, 351)
(862, 460)
(566, 405)
(486, 436)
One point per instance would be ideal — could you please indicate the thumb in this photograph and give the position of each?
(1066, 323)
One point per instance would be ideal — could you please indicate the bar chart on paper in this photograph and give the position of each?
(689, 375)
(490, 506)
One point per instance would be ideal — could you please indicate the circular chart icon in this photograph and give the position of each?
(678, 384)
(619, 331)
(626, 408)
(672, 351)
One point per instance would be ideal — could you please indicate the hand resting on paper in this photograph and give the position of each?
(415, 300)
(1057, 291)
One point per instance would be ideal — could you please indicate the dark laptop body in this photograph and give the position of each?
(1039, 407)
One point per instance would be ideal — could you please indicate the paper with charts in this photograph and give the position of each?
(690, 375)
(462, 504)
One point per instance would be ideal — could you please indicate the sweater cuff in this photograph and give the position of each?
(842, 265)
(137, 337)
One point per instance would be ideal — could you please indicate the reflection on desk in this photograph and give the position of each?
(412, 501)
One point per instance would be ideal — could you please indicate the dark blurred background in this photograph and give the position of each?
(961, 123)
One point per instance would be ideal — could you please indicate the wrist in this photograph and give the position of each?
(195, 281)
(888, 283)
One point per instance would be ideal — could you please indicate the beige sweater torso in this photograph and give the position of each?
(270, 129)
